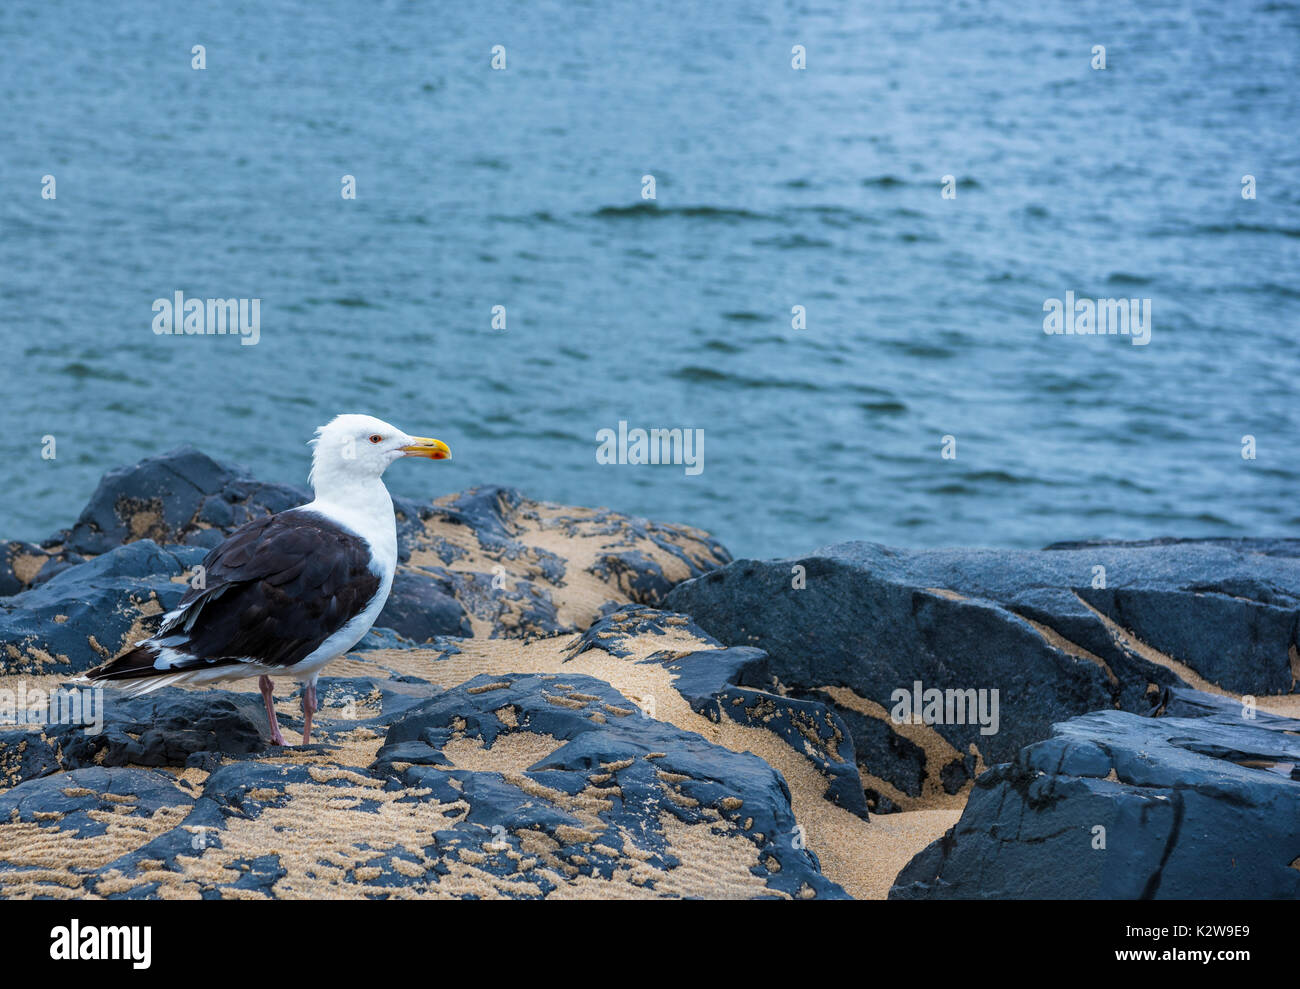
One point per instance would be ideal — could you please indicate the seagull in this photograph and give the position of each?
(285, 594)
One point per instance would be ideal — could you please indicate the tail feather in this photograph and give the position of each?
(134, 672)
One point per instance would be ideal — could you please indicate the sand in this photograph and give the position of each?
(863, 857)
(328, 860)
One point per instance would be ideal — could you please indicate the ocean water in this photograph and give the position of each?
(775, 188)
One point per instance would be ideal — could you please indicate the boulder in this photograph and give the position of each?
(182, 496)
(163, 728)
(488, 561)
(736, 684)
(522, 568)
(616, 797)
(1057, 632)
(90, 612)
(519, 786)
(1118, 806)
(59, 831)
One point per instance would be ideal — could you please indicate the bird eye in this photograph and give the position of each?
(376, 438)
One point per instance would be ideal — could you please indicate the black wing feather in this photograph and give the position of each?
(275, 590)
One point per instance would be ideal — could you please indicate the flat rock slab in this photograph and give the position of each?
(175, 727)
(519, 786)
(1117, 806)
(618, 763)
(1055, 632)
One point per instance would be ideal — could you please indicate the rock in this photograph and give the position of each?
(563, 763)
(20, 565)
(519, 786)
(162, 728)
(488, 561)
(348, 702)
(177, 727)
(736, 684)
(91, 612)
(72, 797)
(1192, 808)
(428, 776)
(60, 830)
(520, 567)
(182, 496)
(423, 607)
(613, 793)
(871, 620)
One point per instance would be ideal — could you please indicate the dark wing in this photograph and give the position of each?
(275, 590)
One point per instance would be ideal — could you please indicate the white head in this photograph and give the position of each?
(354, 450)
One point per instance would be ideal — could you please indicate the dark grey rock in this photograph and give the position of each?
(609, 802)
(647, 768)
(737, 683)
(1027, 623)
(421, 607)
(21, 564)
(467, 562)
(346, 702)
(68, 799)
(174, 498)
(89, 612)
(162, 728)
(632, 621)
(1192, 808)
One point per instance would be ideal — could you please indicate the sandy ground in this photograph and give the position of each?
(863, 857)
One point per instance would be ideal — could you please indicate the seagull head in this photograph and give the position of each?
(353, 447)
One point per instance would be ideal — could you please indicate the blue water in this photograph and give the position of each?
(775, 188)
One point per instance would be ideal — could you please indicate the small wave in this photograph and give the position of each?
(1222, 229)
(837, 216)
(1267, 288)
(79, 370)
(708, 375)
(884, 408)
(1124, 278)
(651, 209)
(540, 216)
(722, 347)
(999, 477)
(884, 182)
(913, 349)
(792, 242)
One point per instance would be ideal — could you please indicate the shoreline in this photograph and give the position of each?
(525, 637)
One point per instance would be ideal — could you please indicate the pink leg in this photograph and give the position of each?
(264, 685)
(308, 709)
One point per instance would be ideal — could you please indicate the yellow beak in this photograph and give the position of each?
(425, 447)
